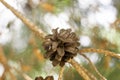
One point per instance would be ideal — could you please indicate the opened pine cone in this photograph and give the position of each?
(47, 78)
(61, 46)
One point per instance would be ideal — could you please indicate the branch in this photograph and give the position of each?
(94, 68)
(92, 77)
(26, 21)
(61, 73)
(25, 76)
(79, 69)
(4, 62)
(107, 53)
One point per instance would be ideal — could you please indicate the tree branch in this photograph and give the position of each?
(61, 73)
(78, 67)
(107, 53)
(94, 68)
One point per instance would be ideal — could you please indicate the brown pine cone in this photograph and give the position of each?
(39, 78)
(60, 47)
(47, 78)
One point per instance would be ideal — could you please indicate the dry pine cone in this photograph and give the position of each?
(60, 47)
(47, 78)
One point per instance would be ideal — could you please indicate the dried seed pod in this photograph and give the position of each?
(61, 46)
(39, 78)
(47, 78)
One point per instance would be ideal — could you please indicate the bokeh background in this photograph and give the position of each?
(96, 22)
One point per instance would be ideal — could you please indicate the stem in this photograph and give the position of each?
(4, 62)
(79, 69)
(12, 75)
(107, 53)
(26, 21)
(92, 77)
(61, 73)
(94, 68)
(25, 76)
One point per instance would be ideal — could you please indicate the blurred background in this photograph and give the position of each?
(96, 22)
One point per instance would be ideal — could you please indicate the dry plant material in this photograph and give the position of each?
(48, 7)
(26, 77)
(61, 73)
(4, 61)
(47, 78)
(106, 52)
(94, 68)
(91, 76)
(60, 47)
(79, 69)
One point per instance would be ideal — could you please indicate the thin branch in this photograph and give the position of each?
(107, 53)
(25, 76)
(61, 73)
(26, 21)
(12, 75)
(78, 67)
(4, 61)
(94, 68)
(92, 77)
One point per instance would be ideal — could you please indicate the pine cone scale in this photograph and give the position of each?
(60, 51)
(71, 50)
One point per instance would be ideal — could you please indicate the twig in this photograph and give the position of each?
(12, 75)
(3, 60)
(92, 77)
(61, 73)
(107, 53)
(26, 21)
(79, 69)
(94, 68)
(25, 76)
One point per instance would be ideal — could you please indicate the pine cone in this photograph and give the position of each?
(47, 78)
(60, 47)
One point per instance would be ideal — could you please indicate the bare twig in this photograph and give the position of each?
(3, 60)
(26, 21)
(13, 77)
(61, 73)
(107, 53)
(94, 68)
(78, 67)
(92, 77)
(25, 76)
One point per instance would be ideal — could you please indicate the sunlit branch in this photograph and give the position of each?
(61, 73)
(25, 76)
(107, 53)
(93, 66)
(79, 69)
(92, 77)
